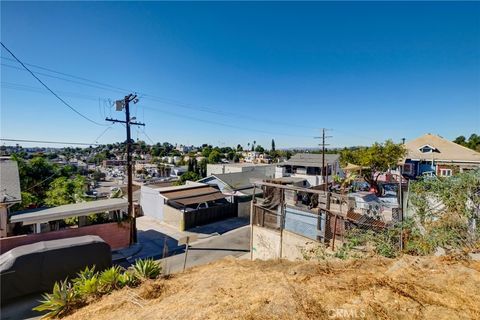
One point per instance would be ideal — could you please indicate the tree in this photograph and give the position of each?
(231, 154)
(473, 141)
(260, 149)
(98, 175)
(273, 145)
(214, 157)
(202, 168)
(461, 140)
(189, 175)
(65, 191)
(378, 158)
(239, 147)
(236, 158)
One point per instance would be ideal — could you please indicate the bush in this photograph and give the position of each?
(146, 269)
(67, 296)
(60, 302)
(87, 283)
(109, 279)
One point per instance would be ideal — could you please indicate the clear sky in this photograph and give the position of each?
(228, 73)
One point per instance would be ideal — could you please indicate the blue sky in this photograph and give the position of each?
(229, 73)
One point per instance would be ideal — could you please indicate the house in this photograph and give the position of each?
(221, 168)
(10, 193)
(309, 167)
(238, 186)
(114, 163)
(186, 206)
(433, 155)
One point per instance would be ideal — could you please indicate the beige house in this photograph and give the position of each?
(433, 155)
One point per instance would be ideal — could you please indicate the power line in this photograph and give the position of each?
(50, 142)
(33, 89)
(164, 100)
(46, 87)
(168, 101)
(70, 75)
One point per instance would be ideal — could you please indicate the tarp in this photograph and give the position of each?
(36, 267)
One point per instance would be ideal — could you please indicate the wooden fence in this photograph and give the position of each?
(208, 215)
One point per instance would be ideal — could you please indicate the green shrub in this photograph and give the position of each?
(109, 279)
(128, 279)
(60, 302)
(146, 269)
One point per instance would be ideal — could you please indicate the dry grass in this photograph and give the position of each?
(375, 288)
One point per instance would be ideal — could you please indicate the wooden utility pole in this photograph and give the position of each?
(125, 104)
(324, 170)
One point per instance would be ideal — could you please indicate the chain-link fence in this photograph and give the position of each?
(346, 225)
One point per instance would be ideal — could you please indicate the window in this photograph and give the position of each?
(445, 172)
(426, 149)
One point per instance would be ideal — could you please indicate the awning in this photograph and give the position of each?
(200, 199)
(188, 192)
(67, 211)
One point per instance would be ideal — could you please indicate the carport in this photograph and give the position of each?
(38, 216)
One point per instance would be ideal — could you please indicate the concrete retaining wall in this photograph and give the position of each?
(266, 244)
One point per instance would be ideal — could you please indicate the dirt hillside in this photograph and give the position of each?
(375, 288)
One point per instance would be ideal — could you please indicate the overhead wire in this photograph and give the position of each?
(174, 102)
(50, 142)
(48, 88)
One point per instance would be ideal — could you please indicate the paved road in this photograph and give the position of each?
(233, 243)
(158, 240)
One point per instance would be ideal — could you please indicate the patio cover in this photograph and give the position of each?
(67, 211)
(194, 195)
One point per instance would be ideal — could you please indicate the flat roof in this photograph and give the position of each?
(242, 164)
(195, 194)
(42, 215)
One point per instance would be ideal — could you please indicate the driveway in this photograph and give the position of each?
(158, 240)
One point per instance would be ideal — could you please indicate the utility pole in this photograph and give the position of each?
(324, 170)
(120, 105)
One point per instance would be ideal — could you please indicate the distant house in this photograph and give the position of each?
(10, 193)
(114, 163)
(433, 155)
(239, 186)
(309, 167)
(186, 206)
(221, 168)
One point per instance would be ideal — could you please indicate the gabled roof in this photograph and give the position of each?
(9, 181)
(311, 159)
(240, 180)
(444, 150)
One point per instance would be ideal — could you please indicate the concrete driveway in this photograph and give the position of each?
(158, 240)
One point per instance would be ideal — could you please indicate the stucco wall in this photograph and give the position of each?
(151, 202)
(244, 209)
(173, 217)
(266, 244)
(117, 235)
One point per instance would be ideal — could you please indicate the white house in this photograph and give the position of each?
(309, 167)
